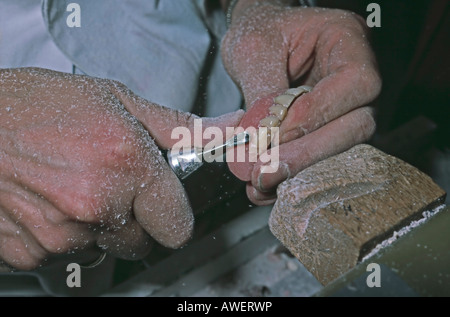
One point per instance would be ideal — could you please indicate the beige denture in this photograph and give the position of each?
(280, 108)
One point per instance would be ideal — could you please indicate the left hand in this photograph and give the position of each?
(270, 48)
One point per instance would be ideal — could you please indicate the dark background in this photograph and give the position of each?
(413, 53)
(412, 48)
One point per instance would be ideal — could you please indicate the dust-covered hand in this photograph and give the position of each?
(79, 168)
(271, 47)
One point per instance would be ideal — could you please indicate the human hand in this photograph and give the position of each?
(270, 48)
(78, 170)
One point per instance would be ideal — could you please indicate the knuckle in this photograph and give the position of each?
(367, 80)
(53, 245)
(60, 239)
(81, 203)
(346, 17)
(21, 257)
(367, 123)
(373, 82)
(370, 82)
(26, 263)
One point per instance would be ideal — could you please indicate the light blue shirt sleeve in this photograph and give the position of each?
(24, 40)
(165, 51)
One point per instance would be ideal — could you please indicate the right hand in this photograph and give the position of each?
(271, 47)
(78, 168)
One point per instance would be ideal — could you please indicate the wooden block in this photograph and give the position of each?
(333, 213)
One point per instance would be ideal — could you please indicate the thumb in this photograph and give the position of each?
(165, 125)
(163, 209)
(256, 62)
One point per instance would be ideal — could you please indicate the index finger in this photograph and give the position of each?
(347, 78)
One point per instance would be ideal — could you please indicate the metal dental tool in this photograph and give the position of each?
(184, 163)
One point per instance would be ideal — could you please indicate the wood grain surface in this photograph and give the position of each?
(333, 213)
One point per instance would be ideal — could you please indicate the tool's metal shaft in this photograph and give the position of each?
(184, 163)
(238, 139)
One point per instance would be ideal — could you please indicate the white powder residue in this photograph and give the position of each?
(397, 234)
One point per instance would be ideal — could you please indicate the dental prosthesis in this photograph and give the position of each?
(281, 105)
(262, 122)
(256, 140)
(277, 113)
